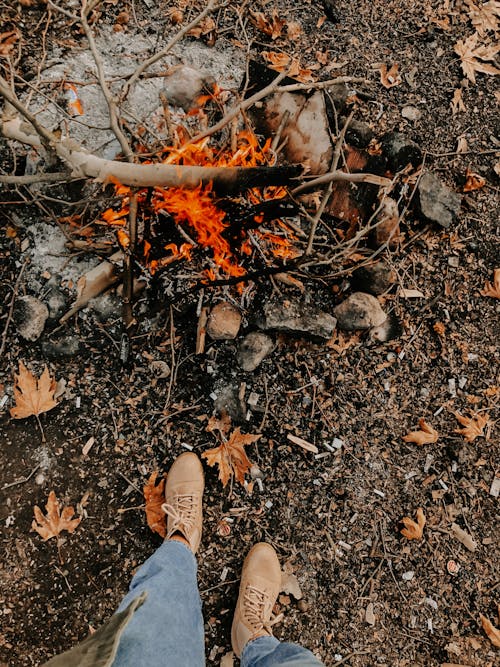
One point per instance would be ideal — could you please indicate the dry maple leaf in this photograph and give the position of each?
(221, 424)
(484, 17)
(154, 495)
(425, 436)
(270, 25)
(473, 181)
(230, 456)
(474, 425)
(55, 522)
(32, 396)
(492, 632)
(389, 78)
(414, 530)
(282, 61)
(493, 290)
(473, 57)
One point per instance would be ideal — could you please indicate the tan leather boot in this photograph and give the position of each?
(183, 499)
(259, 588)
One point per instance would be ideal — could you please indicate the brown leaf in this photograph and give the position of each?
(493, 290)
(492, 632)
(7, 41)
(457, 103)
(282, 61)
(473, 57)
(32, 396)
(414, 530)
(270, 25)
(221, 424)
(231, 458)
(154, 495)
(473, 181)
(484, 17)
(425, 436)
(54, 522)
(474, 425)
(389, 78)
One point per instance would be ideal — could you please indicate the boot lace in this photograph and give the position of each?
(183, 511)
(257, 607)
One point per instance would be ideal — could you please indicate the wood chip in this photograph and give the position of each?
(308, 446)
(463, 537)
(87, 446)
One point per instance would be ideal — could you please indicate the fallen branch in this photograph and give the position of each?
(341, 176)
(29, 179)
(85, 165)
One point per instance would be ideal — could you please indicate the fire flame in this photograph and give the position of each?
(197, 208)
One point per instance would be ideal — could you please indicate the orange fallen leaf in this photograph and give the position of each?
(32, 396)
(457, 103)
(154, 495)
(414, 530)
(75, 106)
(473, 181)
(54, 522)
(7, 41)
(270, 25)
(425, 436)
(389, 77)
(474, 425)
(230, 456)
(492, 632)
(493, 290)
(282, 61)
(221, 424)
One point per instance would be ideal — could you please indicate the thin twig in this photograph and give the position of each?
(341, 176)
(28, 179)
(23, 480)
(328, 192)
(11, 306)
(161, 54)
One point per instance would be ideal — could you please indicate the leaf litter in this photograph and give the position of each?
(55, 521)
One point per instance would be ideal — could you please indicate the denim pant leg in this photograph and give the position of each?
(167, 630)
(269, 652)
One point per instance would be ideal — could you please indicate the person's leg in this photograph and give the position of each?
(251, 634)
(167, 630)
(269, 652)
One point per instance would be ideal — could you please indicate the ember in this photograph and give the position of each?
(205, 215)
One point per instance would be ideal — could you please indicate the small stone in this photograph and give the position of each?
(160, 369)
(228, 400)
(106, 307)
(359, 311)
(358, 134)
(56, 303)
(66, 347)
(389, 329)
(303, 606)
(374, 278)
(254, 348)
(411, 113)
(296, 317)
(29, 316)
(408, 576)
(184, 86)
(224, 321)
(369, 614)
(454, 261)
(436, 202)
(400, 151)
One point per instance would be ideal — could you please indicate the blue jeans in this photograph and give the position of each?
(167, 630)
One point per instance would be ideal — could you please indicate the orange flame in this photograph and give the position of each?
(198, 208)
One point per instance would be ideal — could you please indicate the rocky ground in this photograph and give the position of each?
(330, 380)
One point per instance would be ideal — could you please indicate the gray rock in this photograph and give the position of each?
(228, 400)
(185, 84)
(400, 151)
(253, 349)
(359, 311)
(29, 316)
(358, 134)
(66, 347)
(436, 202)
(295, 317)
(56, 303)
(106, 306)
(374, 279)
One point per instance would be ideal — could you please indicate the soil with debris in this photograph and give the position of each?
(369, 596)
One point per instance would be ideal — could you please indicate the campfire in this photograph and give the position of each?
(231, 229)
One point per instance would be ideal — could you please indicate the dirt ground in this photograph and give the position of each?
(370, 596)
